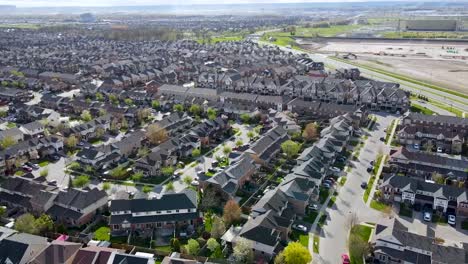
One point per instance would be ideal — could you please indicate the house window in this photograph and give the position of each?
(176, 211)
(158, 212)
(158, 224)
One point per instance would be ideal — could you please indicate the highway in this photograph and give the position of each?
(440, 96)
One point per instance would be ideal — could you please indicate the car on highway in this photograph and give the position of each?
(345, 259)
(299, 227)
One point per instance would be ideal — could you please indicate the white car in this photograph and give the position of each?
(313, 207)
(427, 216)
(335, 169)
(439, 150)
(452, 220)
(195, 183)
(416, 146)
(299, 227)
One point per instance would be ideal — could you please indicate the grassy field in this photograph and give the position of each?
(427, 35)
(20, 26)
(416, 108)
(389, 131)
(316, 244)
(379, 206)
(361, 232)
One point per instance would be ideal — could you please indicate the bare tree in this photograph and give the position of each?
(156, 134)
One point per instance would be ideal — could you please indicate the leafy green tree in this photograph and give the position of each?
(218, 228)
(239, 143)
(44, 223)
(196, 153)
(290, 148)
(81, 181)
(192, 247)
(211, 113)
(195, 109)
(169, 186)
(99, 97)
(175, 244)
(243, 251)
(250, 135)
(26, 224)
(155, 104)
(44, 173)
(187, 180)
(118, 172)
(147, 189)
(178, 108)
(137, 176)
(86, 116)
(212, 244)
(296, 253)
(113, 98)
(227, 150)
(7, 142)
(74, 165)
(128, 101)
(166, 171)
(245, 118)
(71, 142)
(106, 186)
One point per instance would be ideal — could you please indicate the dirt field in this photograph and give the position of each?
(444, 64)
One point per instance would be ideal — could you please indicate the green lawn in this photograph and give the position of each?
(415, 108)
(379, 206)
(370, 184)
(316, 244)
(424, 34)
(20, 26)
(43, 163)
(389, 131)
(164, 248)
(96, 141)
(362, 232)
(10, 125)
(332, 201)
(440, 220)
(342, 180)
(304, 240)
(103, 234)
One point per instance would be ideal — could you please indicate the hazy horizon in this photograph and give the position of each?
(104, 3)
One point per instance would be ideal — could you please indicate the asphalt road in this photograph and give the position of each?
(334, 235)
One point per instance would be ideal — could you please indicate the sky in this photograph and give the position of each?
(45, 3)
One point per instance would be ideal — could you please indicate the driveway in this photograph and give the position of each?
(334, 234)
(56, 172)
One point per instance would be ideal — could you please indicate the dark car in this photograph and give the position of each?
(55, 157)
(370, 169)
(382, 139)
(364, 185)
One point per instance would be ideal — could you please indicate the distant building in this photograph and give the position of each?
(428, 25)
(87, 18)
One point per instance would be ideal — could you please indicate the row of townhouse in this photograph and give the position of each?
(415, 191)
(448, 133)
(31, 149)
(182, 145)
(394, 243)
(22, 248)
(166, 212)
(269, 224)
(69, 206)
(423, 165)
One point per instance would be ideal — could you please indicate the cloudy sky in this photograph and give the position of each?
(35, 3)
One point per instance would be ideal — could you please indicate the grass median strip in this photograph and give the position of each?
(316, 244)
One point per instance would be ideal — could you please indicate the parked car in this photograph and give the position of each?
(427, 216)
(326, 185)
(370, 168)
(341, 159)
(440, 150)
(345, 259)
(452, 220)
(313, 207)
(364, 185)
(27, 168)
(32, 165)
(372, 162)
(195, 183)
(55, 157)
(416, 146)
(382, 139)
(335, 169)
(299, 227)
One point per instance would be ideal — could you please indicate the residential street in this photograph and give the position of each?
(333, 236)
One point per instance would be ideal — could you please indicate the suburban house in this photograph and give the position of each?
(21, 248)
(13, 133)
(94, 255)
(32, 129)
(168, 211)
(269, 144)
(448, 133)
(57, 252)
(413, 191)
(394, 243)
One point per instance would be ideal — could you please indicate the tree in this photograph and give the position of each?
(243, 251)
(210, 199)
(44, 173)
(143, 115)
(187, 180)
(128, 101)
(192, 247)
(81, 181)
(217, 227)
(239, 143)
(195, 109)
(250, 135)
(231, 212)
(155, 104)
(3, 210)
(71, 141)
(118, 172)
(296, 253)
(44, 223)
(178, 108)
(196, 153)
(290, 148)
(99, 132)
(147, 189)
(106, 186)
(113, 98)
(137, 176)
(102, 112)
(99, 97)
(26, 224)
(438, 178)
(175, 244)
(211, 113)
(310, 132)
(245, 118)
(86, 116)
(156, 134)
(7, 142)
(227, 150)
(169, 186)
(212, 244)
(166, 171)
